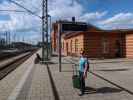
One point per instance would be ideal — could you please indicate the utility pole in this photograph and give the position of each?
(46, 23)
(50, 35)
(43, 14)
(9, 39)
(14, 37)
(50, 30)
(44, 29)
(6, 34)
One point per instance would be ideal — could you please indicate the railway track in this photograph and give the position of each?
(9, 67)
(9, 54)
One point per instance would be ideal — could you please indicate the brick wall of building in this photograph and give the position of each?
(92, 44)
(99, 44)
(73, 45)
(129, 45)
(95, 44)
(53, 39)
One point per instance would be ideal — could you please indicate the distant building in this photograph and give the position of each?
(96, 43)
(2, 42)
(21, 45)
(40, 44)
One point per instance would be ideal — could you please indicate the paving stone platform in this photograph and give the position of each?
(45, 82)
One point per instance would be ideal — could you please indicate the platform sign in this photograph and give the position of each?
(74, 27)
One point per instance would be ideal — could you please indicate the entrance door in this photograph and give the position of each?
(118, 49)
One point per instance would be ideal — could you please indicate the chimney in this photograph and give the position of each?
(73, 19)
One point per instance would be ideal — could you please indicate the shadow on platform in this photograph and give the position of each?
(56, 55)
(124, 69)
(90, 90)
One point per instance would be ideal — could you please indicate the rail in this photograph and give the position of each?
(12, 65)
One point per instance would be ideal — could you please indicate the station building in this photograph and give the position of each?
(96, 43)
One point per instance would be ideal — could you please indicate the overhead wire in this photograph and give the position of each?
(25, 8)
(12, 11)
(21, 6)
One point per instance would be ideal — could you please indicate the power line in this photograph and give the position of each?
(25, 8)
(12, 11)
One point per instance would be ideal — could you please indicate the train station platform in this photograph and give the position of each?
(44, 82)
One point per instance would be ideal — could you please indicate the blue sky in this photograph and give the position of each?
(4, 17)
(111, 6)
(106, 14)
(1, 1)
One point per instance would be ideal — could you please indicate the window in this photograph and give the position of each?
(71, 46)
(76, 45)
(62, 45)
(105, 45)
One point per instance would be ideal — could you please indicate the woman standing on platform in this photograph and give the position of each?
(83, 67)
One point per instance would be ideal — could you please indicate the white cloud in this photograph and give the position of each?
(21, 21)
(93, 16)
(121, 20)
(58, 9)
(65, 9)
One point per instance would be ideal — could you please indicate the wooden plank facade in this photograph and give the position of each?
(129, 45)
(96, 43)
